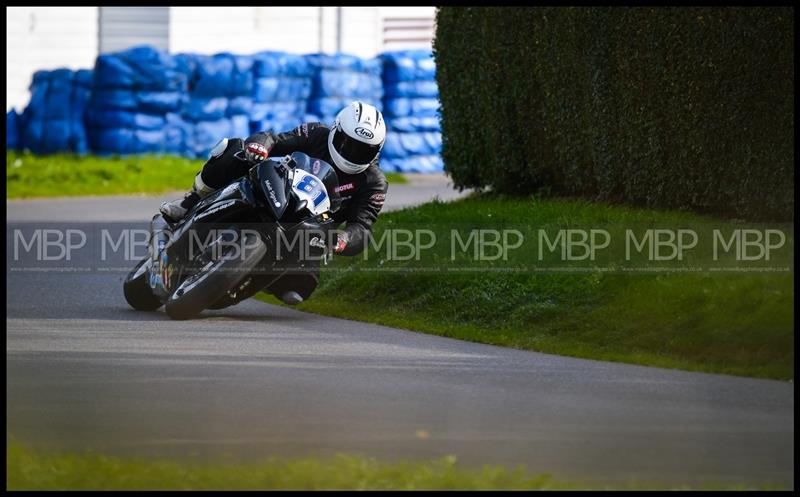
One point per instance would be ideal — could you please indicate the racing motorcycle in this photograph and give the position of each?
(228, 246)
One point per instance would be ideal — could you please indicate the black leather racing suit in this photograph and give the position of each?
(362, 194)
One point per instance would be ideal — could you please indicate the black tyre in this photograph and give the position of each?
(208, 286)
(225, 301)
(137, 290)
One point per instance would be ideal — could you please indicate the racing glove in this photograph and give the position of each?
(257, 147)
(341, 242)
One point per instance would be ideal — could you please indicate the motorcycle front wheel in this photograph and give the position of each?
(137, 289)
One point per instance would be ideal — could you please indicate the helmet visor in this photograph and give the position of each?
(353, 150)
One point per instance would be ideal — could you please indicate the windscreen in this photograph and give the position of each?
(324, 172)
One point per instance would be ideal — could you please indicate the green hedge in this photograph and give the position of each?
(689, 108)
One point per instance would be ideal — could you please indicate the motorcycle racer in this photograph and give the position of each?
(352, 145)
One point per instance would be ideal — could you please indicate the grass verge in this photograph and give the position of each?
(31, 470)
(721, 322)
(32, 176)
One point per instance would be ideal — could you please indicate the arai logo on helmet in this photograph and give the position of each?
(364, 133)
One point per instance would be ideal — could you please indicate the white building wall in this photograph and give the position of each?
(408, 24)
(125, 27)
(46, 38)
(53, 37)
(244, 30)
(327, 43)
(361, 31)
(298, 30)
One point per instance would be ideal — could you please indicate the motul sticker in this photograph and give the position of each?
(346, 186)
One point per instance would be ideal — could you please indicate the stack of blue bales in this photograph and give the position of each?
(338, 80)
(12, 130)
(219, 101)
(143, 100)
(281, 90)
(410, 106)
(53, 120)
(132, 93)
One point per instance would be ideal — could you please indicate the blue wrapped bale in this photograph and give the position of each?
(283, 124)
(206, 134)
(124, 119)
(345, 76)
(239, 105)
(133, 91)
(327, 120)
(412, 89)
(416, 164)
(266, 89)
(221, 75)
(12, 130)
(242, 76)
(410, 107)
(120, 132)
(293, 89)
(141, 68)
(81, 96)
(54, 117)
(401, 145)
(282, 88)
(51, 93)
(205, 109)
(342, 83)
(272, 110)
(177, 134)
(411, 124)
(330, 106)
(274, 63)
(240, 126)
(408, 65)
(198, 138)
(137, 101)
(340, 79)
(46, 136)
(276, 124)
(221, 88)
(127, 141)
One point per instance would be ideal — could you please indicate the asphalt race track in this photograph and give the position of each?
(85, 371)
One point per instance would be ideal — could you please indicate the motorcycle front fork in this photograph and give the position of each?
(160, 233)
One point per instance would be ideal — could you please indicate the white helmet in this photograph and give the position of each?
(356, 137)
